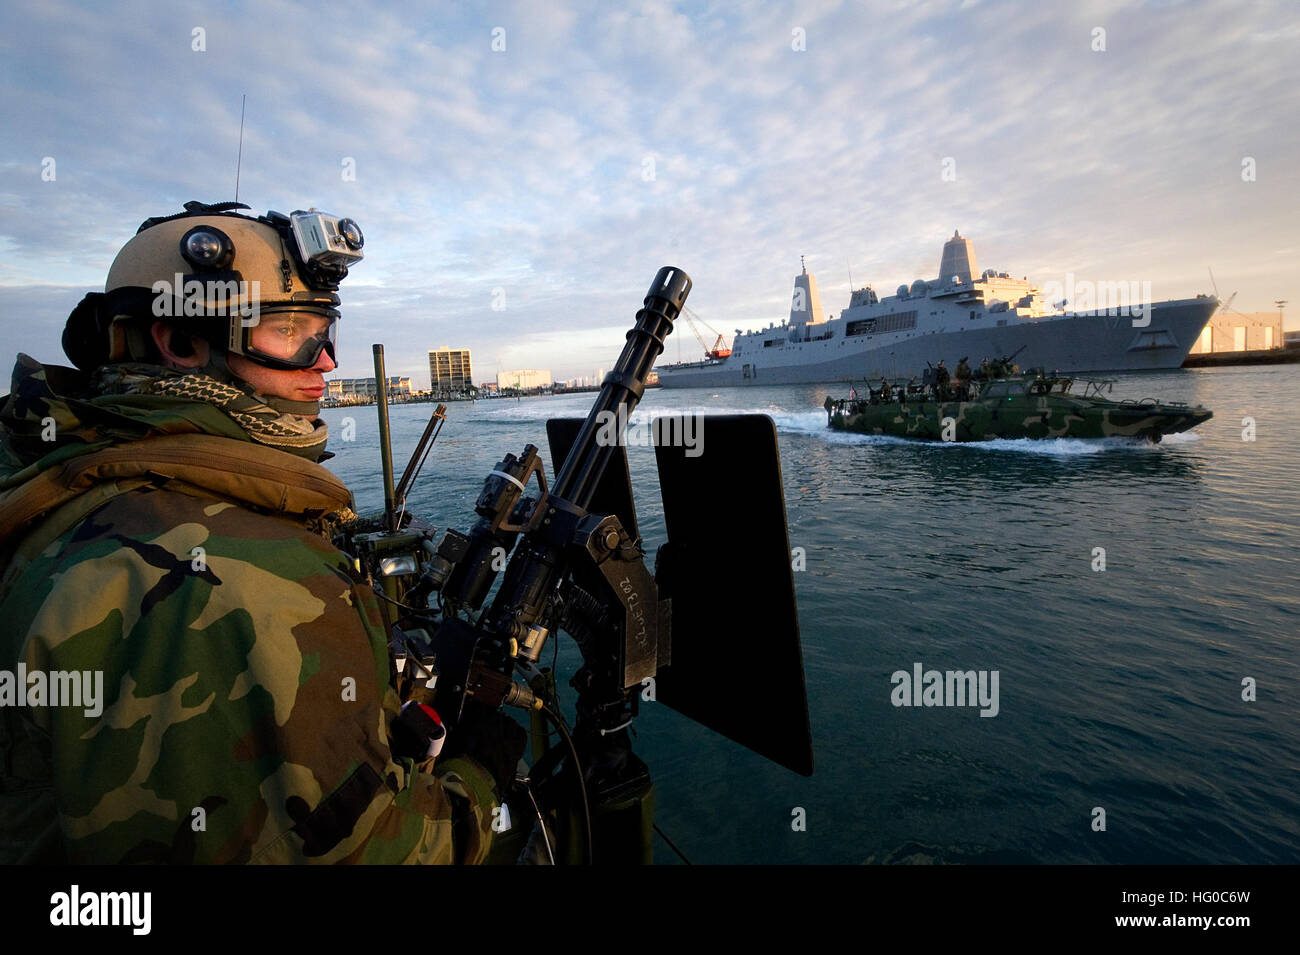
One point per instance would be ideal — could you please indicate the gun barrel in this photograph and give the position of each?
(622, 388)
(536, 564)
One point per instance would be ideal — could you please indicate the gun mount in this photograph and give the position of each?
(576, 564)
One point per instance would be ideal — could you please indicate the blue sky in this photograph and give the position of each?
(607, 140)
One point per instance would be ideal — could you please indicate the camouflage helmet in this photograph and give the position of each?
(219, 274)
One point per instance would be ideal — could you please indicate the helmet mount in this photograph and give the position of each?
(218, 272)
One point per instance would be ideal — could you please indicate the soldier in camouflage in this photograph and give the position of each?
(941, 382)
(162, 523)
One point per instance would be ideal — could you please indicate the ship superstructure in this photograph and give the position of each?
(962, 313)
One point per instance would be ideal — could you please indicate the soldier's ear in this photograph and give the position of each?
(178, 348)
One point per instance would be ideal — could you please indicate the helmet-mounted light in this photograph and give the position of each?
(207, 248)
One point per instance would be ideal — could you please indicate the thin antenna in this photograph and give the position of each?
(240, 160)
(850, 267)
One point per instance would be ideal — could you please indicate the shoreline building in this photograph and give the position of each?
(449, 370)
(361, 388)
(524, 379)
(1238, 331)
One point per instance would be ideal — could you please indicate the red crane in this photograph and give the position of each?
(720, 349)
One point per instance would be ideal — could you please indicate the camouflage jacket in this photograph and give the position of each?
(246, 692)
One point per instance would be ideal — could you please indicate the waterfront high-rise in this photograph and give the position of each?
(449, 369)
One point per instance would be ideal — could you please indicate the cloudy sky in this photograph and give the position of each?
(549, 157)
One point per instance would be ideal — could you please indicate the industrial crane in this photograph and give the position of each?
(720, 347)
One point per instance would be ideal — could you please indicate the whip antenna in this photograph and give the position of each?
(240, 158)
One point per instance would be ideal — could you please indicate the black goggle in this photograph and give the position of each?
(286, 338)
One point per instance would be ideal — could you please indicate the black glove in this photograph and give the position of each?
(491, 739)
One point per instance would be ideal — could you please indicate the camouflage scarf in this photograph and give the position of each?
(262, 423)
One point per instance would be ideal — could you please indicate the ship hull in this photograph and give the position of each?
(1087, 342)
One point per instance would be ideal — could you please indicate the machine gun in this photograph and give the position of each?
(997, 368)
(1005, 365)
(573, 561)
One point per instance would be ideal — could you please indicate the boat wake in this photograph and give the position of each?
(813, 425)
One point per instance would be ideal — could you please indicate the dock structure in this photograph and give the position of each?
(1239, 338)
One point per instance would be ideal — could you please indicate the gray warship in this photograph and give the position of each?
(963, 312)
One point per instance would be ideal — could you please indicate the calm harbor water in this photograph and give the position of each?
(1118, 688)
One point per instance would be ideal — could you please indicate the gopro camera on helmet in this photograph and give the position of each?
(326, 240)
